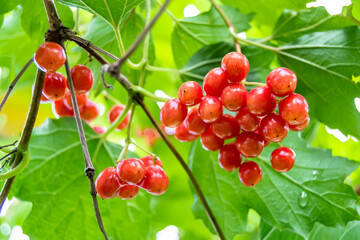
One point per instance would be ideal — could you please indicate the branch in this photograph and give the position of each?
(53, 18)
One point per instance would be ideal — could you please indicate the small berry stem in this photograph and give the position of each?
(253, 83)
(279, 144)
(107, 96)
(143, 149)
(149, 95)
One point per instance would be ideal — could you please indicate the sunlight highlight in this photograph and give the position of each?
(333, 7)
(191, 11)
(171, 232)
(337, 133)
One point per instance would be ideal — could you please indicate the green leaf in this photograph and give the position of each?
(192, 33)
(312, 191)
(113, 11)
(292, 24)
(356, 9)
(324, 63)
(7, 5)
(56, 184)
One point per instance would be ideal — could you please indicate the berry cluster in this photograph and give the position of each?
(129, 175)
(254, 122)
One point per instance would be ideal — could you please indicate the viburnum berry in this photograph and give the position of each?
(210, 109)
(229, 157)
(282, 159)
(50, 56)
(60, 109)
(82, 78)
(89, 111)
(233, 97)
(115, 112)
(155, 180)
(183, 135)
(281, 82)
(294, 109)
(173, 113)
(99, 129)
(131, 170)
(250, 173)
(210, 141)
(190, 93)
(300, 126)
(107, 185)
(148, 160)
(260, 101)
(80, 98)
(236, 66)
(249, 144)
(273, 128)
(247, 121)
(214, 82)
(193, 123)
(226, 127)
(128, 192)
(54, 86)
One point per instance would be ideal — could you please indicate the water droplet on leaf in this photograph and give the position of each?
(303, 199)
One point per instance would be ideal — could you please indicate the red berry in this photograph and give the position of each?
(115, 112)
(229, 157)
(89, 111)
(214, 82)
(250, 173)
(131, 170)
(50, 56)
(183, 135)
(247, 121)
(233, 97)
(194, 124)
(190, 93)
(249, 144)
(107, 185)
(273, 128)
(210, 141)
(44, 99)
(155, 181)
(128, 192)
(99, 129)
(282, 159)
(236, 66)
(210, 109)
(173, 113)
(54, 86)
(80, 98)
(226, 127)
(60, 109)
(294, 109)
(149, 161)
(300, 126)
(281, 82)
(260, 101)
(82, 78)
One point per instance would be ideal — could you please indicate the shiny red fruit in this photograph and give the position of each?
(183, 135)
(250, 173)
(128, 192)
(155, 180)
(273, 128)
(89, 112)
(60, 109)
(50, 56)
(107, 185)
(210, 109)
(210, 141)
(80, 98)
(173, 113)
(294, 109)
(214, 82)
(190, 93)
(115, 112)
(236, 66)
(282, 159)
(82, 78)
(54, 86)
(131, 170)
(281, 81)
(233, 97)
(247, 121)
(301, 126)
(44, 99)
(249, 144)
(226, 127)
(193, 123)
(148, 160)
(229, 157)
(260, 101)
(99, 129)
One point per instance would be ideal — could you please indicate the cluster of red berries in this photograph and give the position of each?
(129, 175)
(253, 122)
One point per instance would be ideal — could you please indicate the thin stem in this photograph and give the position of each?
(8, 154)
(128, 134)
(143, 149)
(77, 21)
(253, 83)
(109, 97)
(257, 44)
(148, 94)
(123, 152)
(9, 145)
(14, 82)
(161, 69)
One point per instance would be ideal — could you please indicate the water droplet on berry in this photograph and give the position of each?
(303, 199)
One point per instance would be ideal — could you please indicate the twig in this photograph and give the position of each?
(52, 15)
(8, 154)
(9, 145)
(13, 83)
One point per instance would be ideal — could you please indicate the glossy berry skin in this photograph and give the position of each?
(190, 93)
(80, 98)
(115, 112)
(128, 192)
(194, 124)
(99, 129)
(236, 66)
(249, 144)
(82, 78)
(131, 170)
(107, 185)
(210, 141)
(50, 56)
(148, 160)
(247, 121)
(173, 113)
(229, 157)
(54, 86)
(226, 127)
(60, 109)
(260, 101)
(294, 109)
(301, 126)
(210, 109)
(273, 128)
(183, 135)
(282, 159)
(233, 97)
(44, 99)
(281, 82)
(89, 112)
(250, 173)
(155, 180)
(214, 82)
